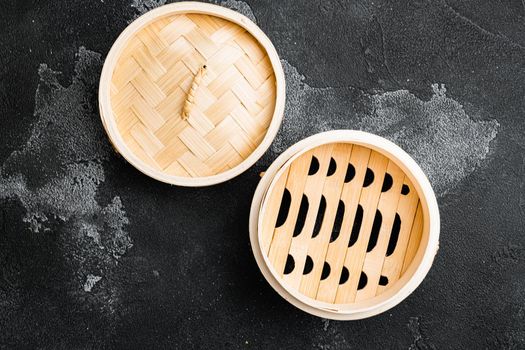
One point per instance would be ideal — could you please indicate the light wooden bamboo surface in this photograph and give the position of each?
(341, 223)
(231, 106)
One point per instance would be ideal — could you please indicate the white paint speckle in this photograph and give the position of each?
(326, 324)
(91, 280)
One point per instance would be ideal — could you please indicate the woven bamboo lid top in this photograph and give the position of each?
(341, 223)
(193, 94)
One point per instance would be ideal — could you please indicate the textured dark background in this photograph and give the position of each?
(95, 255)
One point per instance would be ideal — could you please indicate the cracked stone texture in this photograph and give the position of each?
(93, 254)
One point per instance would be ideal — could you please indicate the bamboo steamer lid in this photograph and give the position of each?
(344, 225)
(192, 94)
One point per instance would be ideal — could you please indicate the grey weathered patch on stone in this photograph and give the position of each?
(241, 7)
(56, 175)
(419, 343)
(438, 134)
(143, 6)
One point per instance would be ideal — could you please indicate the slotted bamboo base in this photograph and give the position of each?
(214, 64)
(340, 223)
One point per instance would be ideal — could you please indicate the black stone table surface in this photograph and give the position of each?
(95, 255)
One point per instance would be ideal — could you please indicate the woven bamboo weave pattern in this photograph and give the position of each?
(341, 224)
(232, 107)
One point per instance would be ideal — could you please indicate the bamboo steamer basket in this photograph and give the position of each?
(192, 94)
(344, 225)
